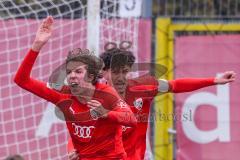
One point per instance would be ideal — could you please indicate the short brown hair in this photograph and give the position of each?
(94, 64)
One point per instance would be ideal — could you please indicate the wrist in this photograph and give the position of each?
(215, 80)
(94, 114)
(36, 46)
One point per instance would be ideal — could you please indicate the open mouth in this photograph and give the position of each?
(120, 85)
(74, 84)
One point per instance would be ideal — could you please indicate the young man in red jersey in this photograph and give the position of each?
(118, 63)
(94, 112)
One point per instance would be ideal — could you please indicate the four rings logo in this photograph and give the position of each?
(83, 131)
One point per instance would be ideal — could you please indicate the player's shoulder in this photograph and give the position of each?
(105, 88)
(106, 95)
(101, 86)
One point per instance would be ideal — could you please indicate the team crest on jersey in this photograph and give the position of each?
(122, 104)
(138, 103)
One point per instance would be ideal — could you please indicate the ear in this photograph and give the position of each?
(91, 77)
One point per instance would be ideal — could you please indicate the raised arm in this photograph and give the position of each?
(191, 84)
(22, 77)
(144, 84)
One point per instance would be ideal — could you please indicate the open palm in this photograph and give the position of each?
(44, 31)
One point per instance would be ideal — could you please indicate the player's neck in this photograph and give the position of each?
(122, 94)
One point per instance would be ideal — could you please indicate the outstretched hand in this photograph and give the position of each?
(44, 33)
(228, 76)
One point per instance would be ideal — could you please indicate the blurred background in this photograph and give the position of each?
(192, 38)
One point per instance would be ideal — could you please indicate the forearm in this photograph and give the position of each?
(125, 118)
(189, 84)
(119, 116)
(37, 45)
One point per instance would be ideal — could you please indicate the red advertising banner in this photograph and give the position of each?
(209, 125)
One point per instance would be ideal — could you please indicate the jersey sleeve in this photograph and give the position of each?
(23, 79)
(143, 86)
(70, 146)
(189, 84)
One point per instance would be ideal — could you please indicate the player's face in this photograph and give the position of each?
(119, 78)
(76, 76)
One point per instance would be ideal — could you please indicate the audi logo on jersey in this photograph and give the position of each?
(83, 131)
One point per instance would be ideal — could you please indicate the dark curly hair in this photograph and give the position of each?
(116, 57)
